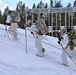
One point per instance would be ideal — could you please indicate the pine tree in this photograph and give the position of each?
(58, 4)
(69, 5)
(51, 3)
(34, 6)
(21, 10)
(74, 14)
(38, 6)
(5, 14)
(46, 5)
(75, 3)
(1, 17)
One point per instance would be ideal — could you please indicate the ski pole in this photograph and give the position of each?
(26, 40)
(6, 32)
(68, 54)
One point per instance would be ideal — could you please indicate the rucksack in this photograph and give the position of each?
(14, 17)
(41, 26)
(72, 39)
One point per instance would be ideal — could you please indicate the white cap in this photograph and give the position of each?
(28, 22)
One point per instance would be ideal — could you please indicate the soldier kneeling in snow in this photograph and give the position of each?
(33, 29)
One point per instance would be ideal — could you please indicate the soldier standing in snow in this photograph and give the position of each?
(68, 50)
(33, 29)
(63, 40)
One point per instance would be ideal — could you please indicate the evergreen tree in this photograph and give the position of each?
(41, 4)
(58, 4)
(19, 5)
(46, 5)
(69, 5)
(75, 3)
(51, 3)
(6, 10)
(21, 10)
(5, 14)
(1, 17)
(38, 6)
(74, 14)
(34, 6)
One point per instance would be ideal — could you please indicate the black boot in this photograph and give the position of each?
(43, 50)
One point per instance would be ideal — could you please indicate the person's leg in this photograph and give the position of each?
(39, 46)
(64, 58)
(15, 34)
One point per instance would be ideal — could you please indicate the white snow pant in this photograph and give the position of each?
(64, 58)
(13, 30)
(64, 55)
(38, 45)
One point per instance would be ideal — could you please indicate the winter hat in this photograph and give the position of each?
(28, 22)
(63, 30)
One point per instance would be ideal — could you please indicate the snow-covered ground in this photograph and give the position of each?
(15, 61)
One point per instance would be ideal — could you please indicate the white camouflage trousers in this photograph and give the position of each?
(39, 47)
(64, 55)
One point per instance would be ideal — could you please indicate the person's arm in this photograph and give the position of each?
(64, 41)
(32, 29)
(59, 39)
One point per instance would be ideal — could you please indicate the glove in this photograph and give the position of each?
(59, 39)
(62, 38)
(58, 42)
(31, 32)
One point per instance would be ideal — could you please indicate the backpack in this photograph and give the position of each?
(14, 16)
(72, 39)
(41, 26)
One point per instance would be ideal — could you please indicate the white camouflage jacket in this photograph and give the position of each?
(64, 41)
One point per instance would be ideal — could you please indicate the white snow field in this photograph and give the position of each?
(15, 61)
